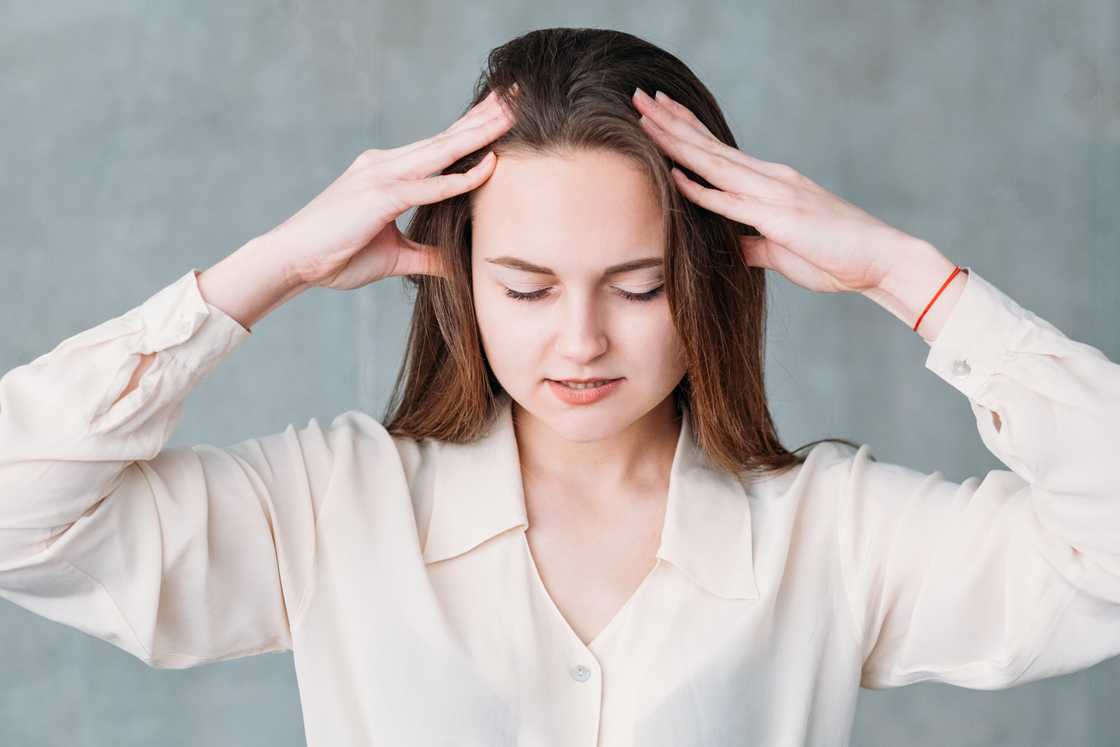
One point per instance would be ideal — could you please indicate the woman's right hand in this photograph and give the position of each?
(347, 236)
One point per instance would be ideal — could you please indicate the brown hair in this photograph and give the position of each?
(573, 92)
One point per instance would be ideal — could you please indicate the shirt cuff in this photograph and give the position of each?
(178, 315)
(976, 337)
(191, 335)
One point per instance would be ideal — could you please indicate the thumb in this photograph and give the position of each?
(756, 251)
(420, 259)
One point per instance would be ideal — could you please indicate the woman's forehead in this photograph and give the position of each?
(554, 206)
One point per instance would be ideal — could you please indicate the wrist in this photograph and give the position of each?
(267, 252)
(250, 283)
(913, 282)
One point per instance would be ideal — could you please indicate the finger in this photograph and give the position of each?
(442, 151)
(484, 109)
(715, 200)
(742, 208)
(719, 171)
(670, 114)
(682, 111)
(481, 112)
(491, 105)
(670, 121)
(688, 129)
(440, 187)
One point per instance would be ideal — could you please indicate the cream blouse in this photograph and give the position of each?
(399, 574)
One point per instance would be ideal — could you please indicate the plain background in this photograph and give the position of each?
(140, 140)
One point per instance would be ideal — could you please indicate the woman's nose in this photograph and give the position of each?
(582, 335)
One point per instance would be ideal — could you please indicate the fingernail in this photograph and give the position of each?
(641, 94)
(660, 96)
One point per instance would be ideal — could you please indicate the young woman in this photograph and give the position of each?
(577, 525)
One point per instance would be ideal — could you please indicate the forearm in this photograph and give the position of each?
(906, 291)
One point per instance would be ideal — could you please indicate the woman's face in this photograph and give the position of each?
(553, 227)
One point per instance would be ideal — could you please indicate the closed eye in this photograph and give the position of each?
(541, 293)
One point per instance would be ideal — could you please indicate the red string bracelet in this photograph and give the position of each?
(935, 295)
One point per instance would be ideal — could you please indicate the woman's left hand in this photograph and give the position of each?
(809, 235)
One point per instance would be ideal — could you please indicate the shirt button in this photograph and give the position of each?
(580, 673)
(961, 368)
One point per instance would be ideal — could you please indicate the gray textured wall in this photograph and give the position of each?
(140, 140)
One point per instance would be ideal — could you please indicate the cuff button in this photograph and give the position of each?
(961, 368)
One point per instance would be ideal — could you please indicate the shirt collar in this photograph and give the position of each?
(478, 494)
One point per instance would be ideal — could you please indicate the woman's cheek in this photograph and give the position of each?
(665, 344)
(506, 335)
(653, 327)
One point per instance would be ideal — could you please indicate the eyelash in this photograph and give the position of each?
(538, 294)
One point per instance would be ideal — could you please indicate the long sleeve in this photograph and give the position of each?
(1013, 576)
(177, 556)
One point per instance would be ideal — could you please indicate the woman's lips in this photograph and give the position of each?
(583, 396)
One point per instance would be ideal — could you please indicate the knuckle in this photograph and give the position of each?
(368, 157)
(808, 183)
(801, 179)
(786, 171)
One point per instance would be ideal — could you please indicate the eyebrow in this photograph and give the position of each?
(517, 263)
